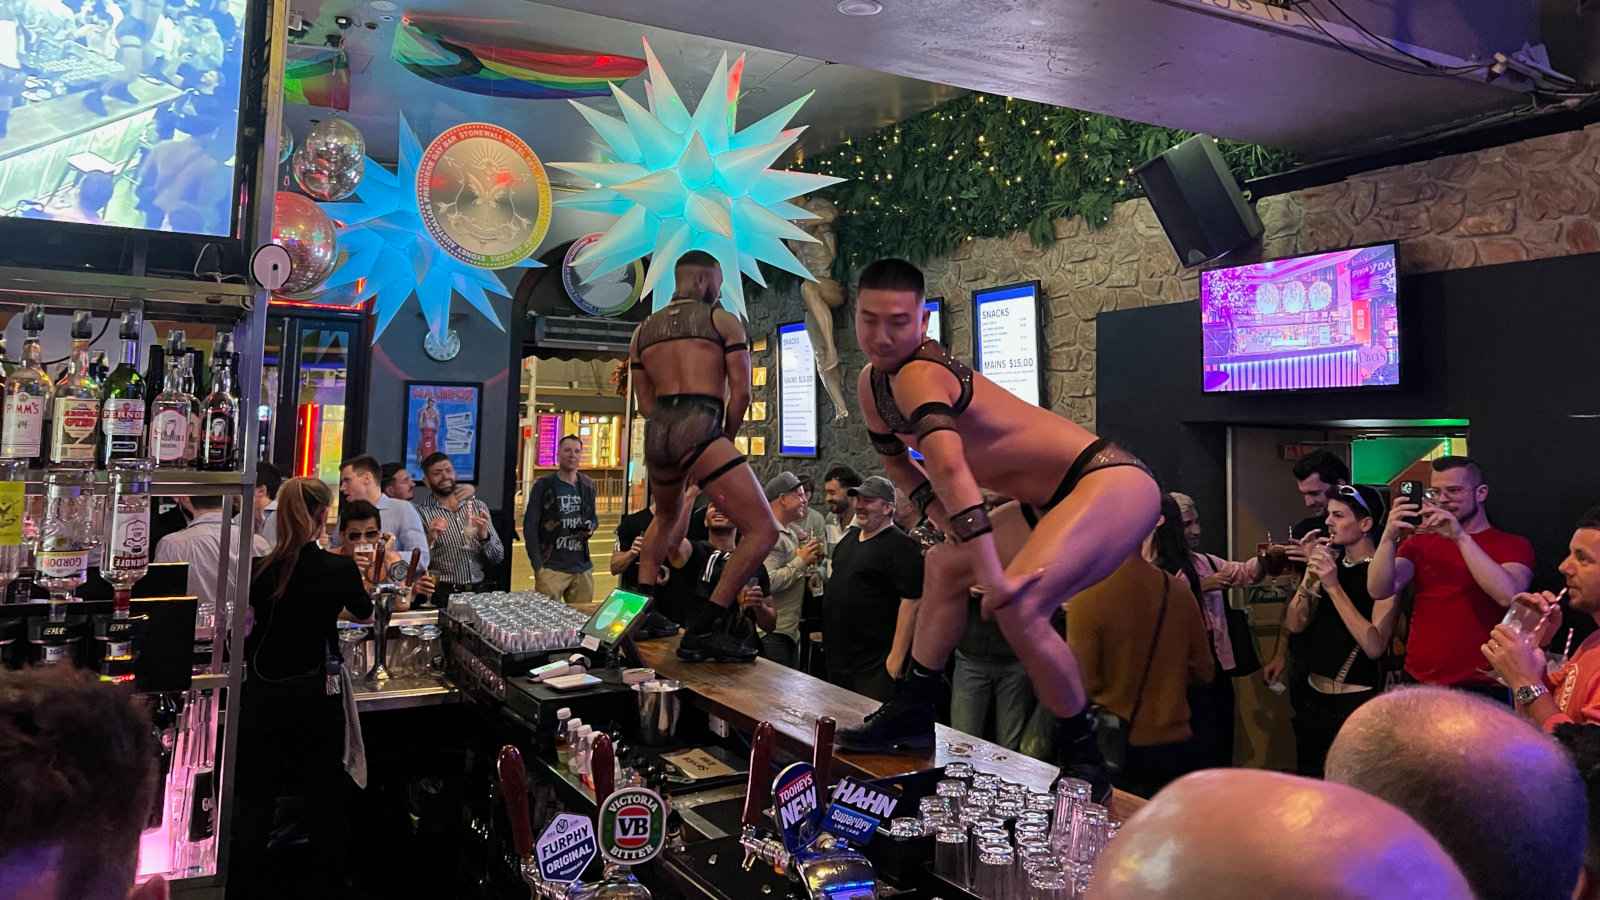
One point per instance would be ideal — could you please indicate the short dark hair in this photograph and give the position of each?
(77, 770)
(436, 456)
(1322, 462)
(696, 258)
(365, 463)
(570, 437)
(388, 472)
(358, 511)
(1582, 743)
(268, 476)
(846, 476)
(1446, 463)
(891, 275)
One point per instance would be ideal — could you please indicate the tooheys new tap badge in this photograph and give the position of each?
(633, 826)
(794, 805)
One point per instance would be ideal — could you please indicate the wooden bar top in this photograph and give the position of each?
(747, 693)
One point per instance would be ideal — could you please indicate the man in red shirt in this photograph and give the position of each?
(1572, 692)
(1466, 573)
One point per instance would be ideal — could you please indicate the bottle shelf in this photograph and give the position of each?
(103, 294)
(167, 483)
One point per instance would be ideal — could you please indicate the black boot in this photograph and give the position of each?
(708, 639)
(905, 723)
(1078, 754)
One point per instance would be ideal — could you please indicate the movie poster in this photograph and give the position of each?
(443, 418)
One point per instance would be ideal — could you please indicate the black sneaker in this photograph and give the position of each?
(1080, 757)
(714, 646)
(656, 625)
(902, 725)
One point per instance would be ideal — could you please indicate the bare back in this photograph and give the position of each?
(692, 364)
(1012, 447)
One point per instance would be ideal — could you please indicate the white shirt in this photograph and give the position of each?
(269, 523)
(200, 546)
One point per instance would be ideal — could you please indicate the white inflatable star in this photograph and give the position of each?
(682, 181)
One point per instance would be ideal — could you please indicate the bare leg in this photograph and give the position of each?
(737, 493)
(819, 328)
(1075, 550)
(948, 579)
(669, 503)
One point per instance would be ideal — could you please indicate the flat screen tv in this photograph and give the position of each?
(935, 308)
(1314, 322)
(123, 114)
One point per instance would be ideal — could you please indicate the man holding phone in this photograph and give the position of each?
(1466, 573)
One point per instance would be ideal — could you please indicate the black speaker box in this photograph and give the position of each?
(1198, 201)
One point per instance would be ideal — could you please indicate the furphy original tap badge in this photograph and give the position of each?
(633, 826)
(566, 848)
(794, 803)
(857, 809)
(483, 195)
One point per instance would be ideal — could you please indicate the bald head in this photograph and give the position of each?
(1495, 791)
(698, 276)
(1211, 834)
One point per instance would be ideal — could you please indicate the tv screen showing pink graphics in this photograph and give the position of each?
(1325, 320)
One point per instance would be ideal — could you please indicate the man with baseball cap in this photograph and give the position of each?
(788, 565)
(871, 611)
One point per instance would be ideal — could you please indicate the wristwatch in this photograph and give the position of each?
(1528, 693)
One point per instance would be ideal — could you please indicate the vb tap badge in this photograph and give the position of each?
(633, 826)
(794, 805)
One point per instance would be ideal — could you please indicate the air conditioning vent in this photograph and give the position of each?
(582, 333)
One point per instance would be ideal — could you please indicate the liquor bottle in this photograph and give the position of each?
(66, 536)
(169, 413)
(27, 396)
(155, 375)
(76, 403)
(221, 422)
(122, 416)
(99, 368)
(191, 387)
(126, 560)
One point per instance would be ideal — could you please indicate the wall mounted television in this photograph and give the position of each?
(1317, 321)
(141, 116)
(935, 309)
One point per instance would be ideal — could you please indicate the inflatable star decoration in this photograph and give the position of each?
(389, 255)
(682, 181)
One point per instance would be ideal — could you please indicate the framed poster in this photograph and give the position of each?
(935, 308)
(1007, 338)
(443, 416)
(797, 392)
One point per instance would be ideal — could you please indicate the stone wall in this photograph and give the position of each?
(1531, 200)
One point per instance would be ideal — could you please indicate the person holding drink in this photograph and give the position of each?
(1568, 693)
(461, 539)
(789, 565)
(1346, 629)
(364, 541)
(1465, 573)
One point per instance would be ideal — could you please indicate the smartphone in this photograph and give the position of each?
(1416, 492)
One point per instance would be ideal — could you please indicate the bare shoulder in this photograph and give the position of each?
(728, 325)
(924, 381)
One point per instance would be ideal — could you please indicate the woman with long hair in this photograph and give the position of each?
(1347, 629)
(292, 729)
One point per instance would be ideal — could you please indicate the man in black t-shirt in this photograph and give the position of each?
(697, 569)
(630, 540)
(871, 608)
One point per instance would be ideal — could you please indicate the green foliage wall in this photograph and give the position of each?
(986, 166)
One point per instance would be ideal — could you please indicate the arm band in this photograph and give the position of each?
(736, 348)
(886, 444)
(923, 497)
(971, 523)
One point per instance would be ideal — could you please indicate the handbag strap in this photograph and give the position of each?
(1138, 700)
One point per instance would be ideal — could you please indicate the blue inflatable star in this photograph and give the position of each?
(389, 254)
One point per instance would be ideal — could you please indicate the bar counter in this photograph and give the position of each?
(747, 693)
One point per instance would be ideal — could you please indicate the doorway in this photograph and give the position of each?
(1263, 502)
(313, 393)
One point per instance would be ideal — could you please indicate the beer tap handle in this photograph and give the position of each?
(416, 561)
(758, 789)
(514, 788)
(603, 768)
(822, 752)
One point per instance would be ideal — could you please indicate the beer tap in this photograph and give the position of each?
(828, 867)
(385, 595)
(617, 881)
